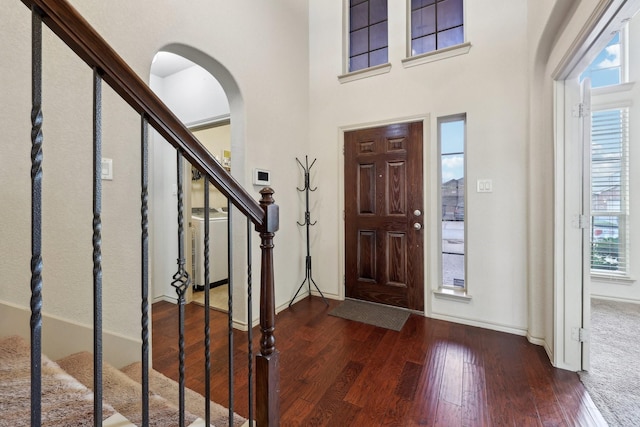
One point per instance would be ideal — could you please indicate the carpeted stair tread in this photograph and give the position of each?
(194, 402)
(64, 400)
(123, 393)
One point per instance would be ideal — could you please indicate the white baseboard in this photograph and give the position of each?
(486, 325)
(62, 337)
(541, 342)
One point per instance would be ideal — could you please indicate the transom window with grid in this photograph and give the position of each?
(368, 34)
(435, 25)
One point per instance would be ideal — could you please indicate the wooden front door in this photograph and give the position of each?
(384, 215)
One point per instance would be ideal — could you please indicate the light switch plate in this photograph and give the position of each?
(107, 169)
(485, 186)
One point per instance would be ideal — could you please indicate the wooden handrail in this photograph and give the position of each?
(65, 21)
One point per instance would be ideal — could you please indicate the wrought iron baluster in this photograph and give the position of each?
(181, 282)
(230, 313)
(250, 319)
(36, 217)
(144, 213)
(207, 329)
(97, 249)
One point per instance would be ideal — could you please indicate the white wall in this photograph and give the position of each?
(194, 95)
(489, 84)
(263, 46)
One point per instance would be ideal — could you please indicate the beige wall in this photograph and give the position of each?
(490, 85)
(263, 46)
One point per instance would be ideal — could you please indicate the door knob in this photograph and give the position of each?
(417, 212)
(417, 226)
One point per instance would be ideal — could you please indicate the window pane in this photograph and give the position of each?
(606, 69)
(606, 251)
(452, 137)
(359, 42)
(608, 142)
(378, 36)
(368, 34)
(605, 77)
(415, 4)
(452, 173)
(449, 14)
(378, 57)
(423, 22)
(378, 11)
(355, 2)
(452, 269)
(359, 16)
(359, 62)
(423, 45)
(450, 37)
(452, 195)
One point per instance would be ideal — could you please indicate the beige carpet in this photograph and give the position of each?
(65, 402)
(194, 402)
(218, 298)
(123, 393)
(614, 378)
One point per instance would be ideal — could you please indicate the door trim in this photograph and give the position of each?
(567, 315)
(426, 138)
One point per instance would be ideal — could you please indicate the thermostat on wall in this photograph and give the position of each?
(261, 177)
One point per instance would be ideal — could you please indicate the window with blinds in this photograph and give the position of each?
(610, 191)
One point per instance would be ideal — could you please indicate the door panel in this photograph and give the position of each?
(383, 187)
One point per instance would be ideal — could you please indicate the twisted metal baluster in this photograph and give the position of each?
(230, 313)
(36, 217)
(97, 249)
(144, 212)
(207, 329)
(250, 320)
(181, 282)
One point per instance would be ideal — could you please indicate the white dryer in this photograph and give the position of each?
(218, 255)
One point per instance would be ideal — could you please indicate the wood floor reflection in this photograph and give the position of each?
(336, 372)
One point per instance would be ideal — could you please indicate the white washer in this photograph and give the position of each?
(218, 238)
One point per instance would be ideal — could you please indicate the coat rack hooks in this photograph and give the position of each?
(307, 222)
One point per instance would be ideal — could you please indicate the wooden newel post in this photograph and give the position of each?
(267, 364)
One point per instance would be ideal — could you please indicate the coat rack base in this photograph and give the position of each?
(308, 279)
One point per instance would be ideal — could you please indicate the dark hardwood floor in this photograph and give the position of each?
(336, 372)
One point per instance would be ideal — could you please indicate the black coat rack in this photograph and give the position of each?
(307, 222)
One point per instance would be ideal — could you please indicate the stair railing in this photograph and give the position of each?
(109, 67)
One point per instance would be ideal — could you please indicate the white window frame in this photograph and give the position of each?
(446, 291)
(348, 76)
(438, 54)
(607, 98)
(623, 213)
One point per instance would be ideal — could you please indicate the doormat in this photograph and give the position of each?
(372, 314)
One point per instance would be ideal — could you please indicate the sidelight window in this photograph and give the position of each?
(451, 137)
(368, 34)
